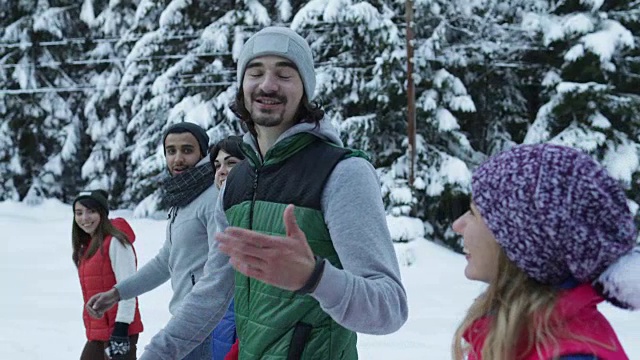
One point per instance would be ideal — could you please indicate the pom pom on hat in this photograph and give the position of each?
(620, 283)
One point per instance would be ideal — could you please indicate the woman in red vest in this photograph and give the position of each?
(102, 262)
(551, 233)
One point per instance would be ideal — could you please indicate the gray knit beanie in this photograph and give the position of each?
(283, 42)
(559, 215)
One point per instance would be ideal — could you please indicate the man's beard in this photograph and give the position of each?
(268, 118)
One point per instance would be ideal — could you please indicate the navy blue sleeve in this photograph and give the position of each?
(578, 357)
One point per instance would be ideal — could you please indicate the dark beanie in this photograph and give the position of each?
(98, 196)
(195, 130)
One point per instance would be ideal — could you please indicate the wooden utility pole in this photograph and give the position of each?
(411, 95)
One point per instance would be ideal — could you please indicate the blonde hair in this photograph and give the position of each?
(520, 320)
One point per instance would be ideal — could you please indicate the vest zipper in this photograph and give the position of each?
(253, 200)
(253, 203)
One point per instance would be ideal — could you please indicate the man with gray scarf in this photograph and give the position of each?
(191, 195)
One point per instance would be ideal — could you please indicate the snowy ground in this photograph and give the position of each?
(40, 309)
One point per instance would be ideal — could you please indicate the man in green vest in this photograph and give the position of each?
(303, 219)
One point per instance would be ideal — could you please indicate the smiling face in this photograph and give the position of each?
(182, 152)
(480, 246)
(272, 90)
(223, 164)
(87, 219)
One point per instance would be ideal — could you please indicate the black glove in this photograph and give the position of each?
(118, 347)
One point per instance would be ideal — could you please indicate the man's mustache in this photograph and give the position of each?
(261, 93)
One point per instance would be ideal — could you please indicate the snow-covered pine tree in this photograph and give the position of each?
(445, 52)
(473, 45)
(591, 98)
(158, 46)
(14, 161)
(106, 122)
(493, 50)
(41, 100)
(628, 78)
(444, 154)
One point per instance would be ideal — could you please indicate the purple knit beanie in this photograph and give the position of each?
(558, 215)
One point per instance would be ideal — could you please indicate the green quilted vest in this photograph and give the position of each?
(273, 323)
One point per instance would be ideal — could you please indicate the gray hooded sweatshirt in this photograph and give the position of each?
(367, 296)
(189, 244)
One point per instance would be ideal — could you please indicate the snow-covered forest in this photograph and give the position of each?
(87, 88)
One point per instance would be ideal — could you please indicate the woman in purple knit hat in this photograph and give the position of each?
(552, 234)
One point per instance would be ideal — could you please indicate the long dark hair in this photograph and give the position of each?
(308, 112)
(84, 247)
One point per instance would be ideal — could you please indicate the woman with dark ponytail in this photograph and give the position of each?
(104, 254)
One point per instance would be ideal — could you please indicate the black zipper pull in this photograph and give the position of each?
(193, 279)
(175, 214)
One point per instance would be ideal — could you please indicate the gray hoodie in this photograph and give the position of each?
(199, 300)
(367, 296)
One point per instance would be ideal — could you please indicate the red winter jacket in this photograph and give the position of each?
(578, 307)
(96, 275)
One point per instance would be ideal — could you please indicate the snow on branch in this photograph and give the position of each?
(605, 42)
(172, 14)
(258, 13)
(55, 21)
(309, 14)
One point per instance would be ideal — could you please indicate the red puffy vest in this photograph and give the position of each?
(578, 307)
(96, 275)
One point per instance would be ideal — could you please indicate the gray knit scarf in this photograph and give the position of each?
(182, 189)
